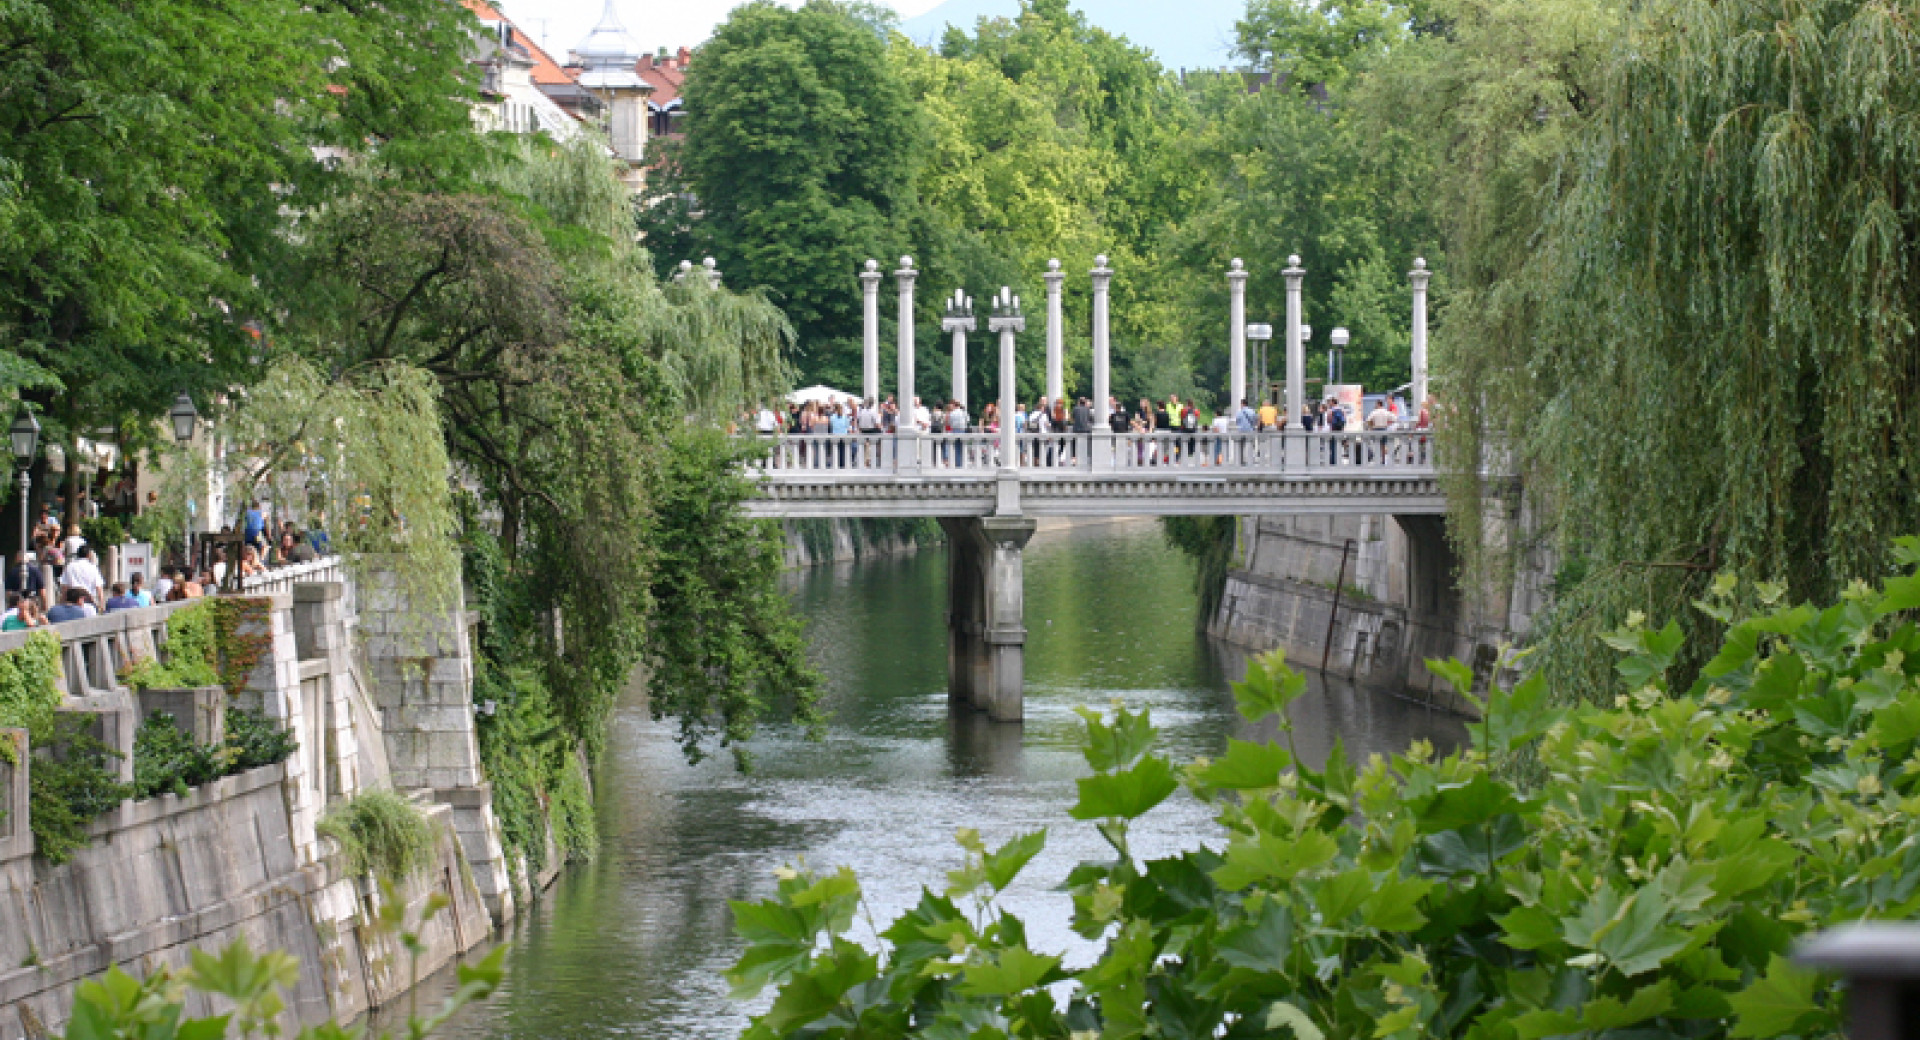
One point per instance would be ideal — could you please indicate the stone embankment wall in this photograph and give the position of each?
(1398, 604)
(812, 542)
(376, 697)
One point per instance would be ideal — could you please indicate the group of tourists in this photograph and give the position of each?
(840, 416)
(60, 579)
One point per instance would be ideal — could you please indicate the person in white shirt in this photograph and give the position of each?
(764, 422)
(73, 543)
(1380, 418)
(922, 418)
(83, 572)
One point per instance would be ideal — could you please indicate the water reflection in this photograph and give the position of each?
(635, 943)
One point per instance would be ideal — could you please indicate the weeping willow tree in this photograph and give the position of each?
(358, 454)
(1707, 362)
(568, 376)
(717, 350)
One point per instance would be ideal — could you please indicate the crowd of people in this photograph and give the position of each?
(838, 416)
(60, 579)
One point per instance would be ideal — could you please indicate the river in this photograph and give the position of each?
(634, 944)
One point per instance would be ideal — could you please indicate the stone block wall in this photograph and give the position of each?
(241, 857)
(421, 666)
(1399, 601)
(200, 712)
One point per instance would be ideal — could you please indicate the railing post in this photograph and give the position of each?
(1881, 960)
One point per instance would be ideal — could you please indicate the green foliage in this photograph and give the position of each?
(362, 445)
(571, 809)
(1651, 883)
(381, 833)
(117, 1006)
(721, 647)
(137, 247)
(801, 147)
(71, 788)
(527, 757)
(254, 740)
(1210, 541)
(28, 694)
(166, 760)
(102, 532)
(1712, 284)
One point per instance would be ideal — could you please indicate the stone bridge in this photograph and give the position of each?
(988, 499)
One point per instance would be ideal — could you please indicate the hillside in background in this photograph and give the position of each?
(1192, 34)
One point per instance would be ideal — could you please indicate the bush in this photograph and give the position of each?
(253, 740)
(381, 832)
(102, 532)
(1650, 883)
(71, 789)
(167, 760)
(28, 694)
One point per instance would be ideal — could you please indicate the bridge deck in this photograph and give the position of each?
(1164, 474)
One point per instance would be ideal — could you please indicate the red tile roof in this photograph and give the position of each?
(546, 71)
(665, 75)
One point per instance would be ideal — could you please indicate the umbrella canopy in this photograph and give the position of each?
(822, 394)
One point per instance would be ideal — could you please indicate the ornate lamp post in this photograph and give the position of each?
(1337, 356)
(26, 442)
(1006, 319)
(959, 320)
(185, 418)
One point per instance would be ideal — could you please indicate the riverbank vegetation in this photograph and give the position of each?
(1648, 874)
(533, 364)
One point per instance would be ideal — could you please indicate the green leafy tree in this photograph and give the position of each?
(152, 153)
(801, 148)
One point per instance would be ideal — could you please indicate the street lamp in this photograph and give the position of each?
(185, 418)
(1337, 354)
(26, 441)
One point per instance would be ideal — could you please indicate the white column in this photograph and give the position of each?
(1296, 349)
(1004, 318)
(1055, 381)
(870, 333)
(1102, 278)
(1236, 335)
(908, 456)
(1419, 277)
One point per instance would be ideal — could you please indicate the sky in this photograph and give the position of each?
(1182, 33)
(560, 24)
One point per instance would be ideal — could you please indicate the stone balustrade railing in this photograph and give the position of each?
(931, 456)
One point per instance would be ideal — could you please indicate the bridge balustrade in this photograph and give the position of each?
(815, 457)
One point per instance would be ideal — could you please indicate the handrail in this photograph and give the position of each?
(936, 456)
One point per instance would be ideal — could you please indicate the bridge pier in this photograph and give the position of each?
(986, 614)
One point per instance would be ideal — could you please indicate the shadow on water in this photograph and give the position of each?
(634, 944)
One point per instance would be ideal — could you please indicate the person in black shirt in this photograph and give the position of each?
(26, 560)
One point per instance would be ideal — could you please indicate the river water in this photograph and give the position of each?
(635, 943)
